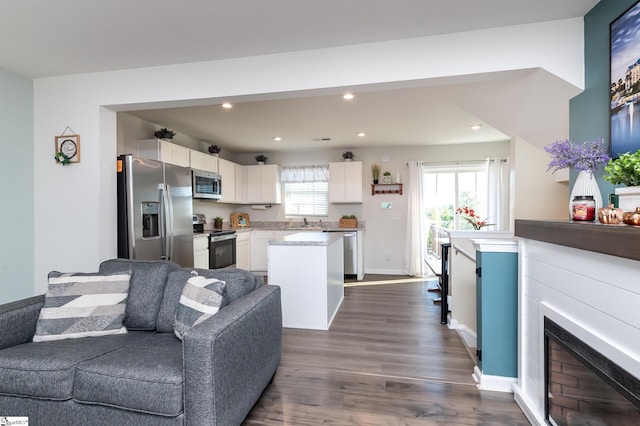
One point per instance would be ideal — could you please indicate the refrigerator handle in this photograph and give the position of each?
(170, 236)
(164, 229)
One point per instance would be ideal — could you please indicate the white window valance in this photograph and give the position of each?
(305, 174)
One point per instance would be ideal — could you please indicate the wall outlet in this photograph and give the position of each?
(387, 256)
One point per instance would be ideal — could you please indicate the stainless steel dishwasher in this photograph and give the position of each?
(350, 241)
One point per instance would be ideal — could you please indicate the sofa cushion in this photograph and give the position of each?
(81, 305)
(146, 290)
(46, 369)
(201, 299)
(238, 283)
(144, 377)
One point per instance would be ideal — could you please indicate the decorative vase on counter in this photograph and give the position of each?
(585, 184)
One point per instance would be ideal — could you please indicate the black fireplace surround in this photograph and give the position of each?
(580, 383)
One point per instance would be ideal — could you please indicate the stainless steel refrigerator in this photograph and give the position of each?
(155, 213)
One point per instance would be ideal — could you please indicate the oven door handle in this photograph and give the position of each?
(223, 237)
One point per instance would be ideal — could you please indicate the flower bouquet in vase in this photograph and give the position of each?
(585, 157)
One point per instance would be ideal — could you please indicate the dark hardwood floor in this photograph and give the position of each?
(386, 360)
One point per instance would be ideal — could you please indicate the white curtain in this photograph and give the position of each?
(498, 189)
(415, 251)
(304, 174)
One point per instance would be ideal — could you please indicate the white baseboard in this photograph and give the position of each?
(493, 383)
(384, 271)
(525, 404)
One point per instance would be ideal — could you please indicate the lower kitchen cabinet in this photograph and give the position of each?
(243, 250)
(201, 251)
(496, 313)
(259, 250)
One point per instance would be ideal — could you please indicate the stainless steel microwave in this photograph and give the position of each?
(206, 185)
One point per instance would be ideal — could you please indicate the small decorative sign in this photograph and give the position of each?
(67, 148)
(240, 220)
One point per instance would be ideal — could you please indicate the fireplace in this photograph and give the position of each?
(583, 386)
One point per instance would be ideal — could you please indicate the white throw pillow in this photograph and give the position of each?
(81, 305)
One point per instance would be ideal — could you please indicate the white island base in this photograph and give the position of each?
(309, 269)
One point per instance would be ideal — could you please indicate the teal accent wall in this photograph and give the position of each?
(16, 183)
(589, 111)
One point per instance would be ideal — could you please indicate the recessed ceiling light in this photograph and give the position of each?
(476, 126)
(361, 134)
(277, 138)
(347, 96)
(227, 105)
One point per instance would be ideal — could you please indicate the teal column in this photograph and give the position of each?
(497, 312)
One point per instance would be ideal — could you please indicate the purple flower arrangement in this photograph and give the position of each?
(586, 156)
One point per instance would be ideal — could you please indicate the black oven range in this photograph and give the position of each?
(222, 249)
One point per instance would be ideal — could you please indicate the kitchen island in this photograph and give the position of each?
(308, 267)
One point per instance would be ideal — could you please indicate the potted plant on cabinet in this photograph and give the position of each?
(164, 134)
(217, 222)
(625, 170)
(261, 159)
(214, 149)
(375, 172)
(348, 156)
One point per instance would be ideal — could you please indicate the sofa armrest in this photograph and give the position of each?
(230, 358)
(19, 320)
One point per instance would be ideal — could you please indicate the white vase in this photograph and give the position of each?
(586, 184)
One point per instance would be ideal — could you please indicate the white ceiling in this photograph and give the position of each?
(42, 38)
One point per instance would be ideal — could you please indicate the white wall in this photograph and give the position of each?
(81, 198)
(538, 195)
(16, 175)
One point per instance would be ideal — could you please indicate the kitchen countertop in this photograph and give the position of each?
(306, 239)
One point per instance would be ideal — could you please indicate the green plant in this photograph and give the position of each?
(386, 174)
(214, 149)
(375, 171)
(624, 170)
(217, 219)
(348, 155)
(164, 133)
(62, 158)
(349, 216)
(261, 158)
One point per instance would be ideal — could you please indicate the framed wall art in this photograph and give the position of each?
(67, 149)
(625, 82)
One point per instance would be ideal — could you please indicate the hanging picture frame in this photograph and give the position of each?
(67, 149)
(624, 62)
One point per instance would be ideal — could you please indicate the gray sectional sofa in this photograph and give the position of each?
(147, 376)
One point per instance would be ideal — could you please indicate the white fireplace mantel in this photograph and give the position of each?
(591, 291)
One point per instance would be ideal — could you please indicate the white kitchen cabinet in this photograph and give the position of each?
(345, 182)
(201, 161)
(243, 250)
(241, 187)
(259, 240)
(201, 251)
(227, 171)
(165, 151)
(263, 184)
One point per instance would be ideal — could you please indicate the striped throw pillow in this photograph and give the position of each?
(201, 299)
(81, 305)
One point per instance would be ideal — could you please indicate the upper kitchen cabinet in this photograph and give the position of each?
(345, 182)
(263, 184)
(162, 150)
(201, 161)
(227, 171)
(241, 178)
